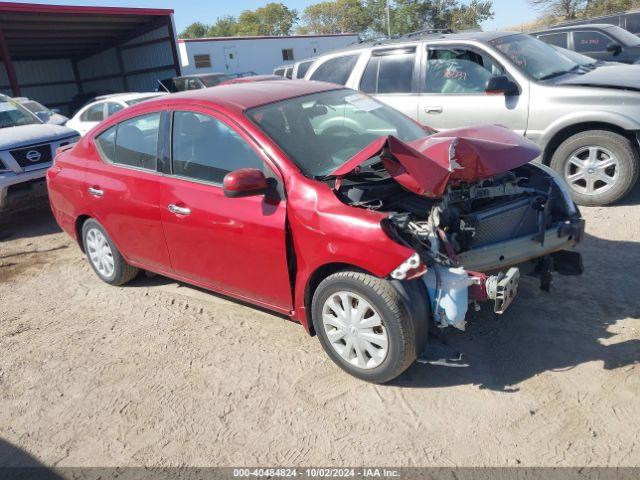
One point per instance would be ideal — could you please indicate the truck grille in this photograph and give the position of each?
(32, 155)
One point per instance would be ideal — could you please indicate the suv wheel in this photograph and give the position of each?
(363, 326)
(600, 167)
(104, 257)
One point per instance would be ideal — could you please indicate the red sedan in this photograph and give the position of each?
(320, 203)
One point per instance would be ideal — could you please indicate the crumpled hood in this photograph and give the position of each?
(15, 137)
(427, 165)
(609, 76)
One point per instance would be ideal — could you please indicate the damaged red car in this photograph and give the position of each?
(320, 203)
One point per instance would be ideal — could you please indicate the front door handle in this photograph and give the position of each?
(179, 210)
(433, 109)
(96, 192)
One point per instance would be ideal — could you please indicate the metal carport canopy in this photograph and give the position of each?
(37, 32)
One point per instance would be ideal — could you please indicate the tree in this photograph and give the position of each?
(565, 9)
(273, 19)
(224, 27)
(195, 30)
(338, 16)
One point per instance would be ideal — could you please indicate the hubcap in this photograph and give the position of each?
(355, 330)
(591, 170)
(100, 252)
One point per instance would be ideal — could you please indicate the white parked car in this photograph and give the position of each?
(102, 107)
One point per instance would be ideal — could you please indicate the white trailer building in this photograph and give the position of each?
(254, 54)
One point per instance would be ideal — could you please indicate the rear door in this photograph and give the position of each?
(233, 245)
(123, 190)
(453, 94)
(392, 77)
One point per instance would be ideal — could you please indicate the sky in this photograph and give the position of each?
(507, 12)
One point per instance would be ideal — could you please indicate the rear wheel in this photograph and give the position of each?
(104, 257)
(600, 167)
(363, 325)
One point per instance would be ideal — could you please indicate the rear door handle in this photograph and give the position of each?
(433, 109)
(96, 192)
(173, 208)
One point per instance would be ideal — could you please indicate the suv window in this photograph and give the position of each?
(95, 113)
(303, 68)
(389, 73)
(585, 42)
(335, 70)
(557, 39)
(459, 70)
(206, 149)
(136, 141)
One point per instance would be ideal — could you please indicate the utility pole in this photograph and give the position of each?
(388, 19)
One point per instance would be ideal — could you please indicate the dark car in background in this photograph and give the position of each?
(192, 82)
(598, 40)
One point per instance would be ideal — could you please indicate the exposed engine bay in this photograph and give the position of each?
(519, 218)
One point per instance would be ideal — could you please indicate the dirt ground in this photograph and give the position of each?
(158, 373)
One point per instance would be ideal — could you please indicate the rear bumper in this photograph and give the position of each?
(512, 252)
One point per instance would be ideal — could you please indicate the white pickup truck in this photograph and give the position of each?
(27, 148)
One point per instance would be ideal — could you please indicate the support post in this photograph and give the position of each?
(8, 65)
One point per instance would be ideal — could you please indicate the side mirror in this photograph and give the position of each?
(614, 48)
(55, 111)
(245, 182)
(501, 85)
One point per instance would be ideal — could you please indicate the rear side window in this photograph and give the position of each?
(113, 107)
(132, 143)
(389, 73)
(95, 113)
(335, 70)
(585, 42)
(303, 68)
(557, 39)
(206, 149)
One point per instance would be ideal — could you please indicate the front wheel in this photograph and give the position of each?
(600, 167)
(363, 325)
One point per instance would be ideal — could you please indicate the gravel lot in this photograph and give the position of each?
(162, 374)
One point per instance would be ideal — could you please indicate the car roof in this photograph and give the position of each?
(576, 27)
(239, 97)
(200, 75)
(126, 96)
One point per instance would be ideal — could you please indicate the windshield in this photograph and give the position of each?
(35, 107)
(135, 101)
(322, 131)
(534, 57)
(14, 115)
(213, 80)
(579, 58)
(627, 38)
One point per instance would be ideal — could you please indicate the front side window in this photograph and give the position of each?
(95, 113)
(320, 132)
(206, 149)
(335, 70)
(557, 39)
(389, 72)
(586, 42)
(452, 70)
(132, 143)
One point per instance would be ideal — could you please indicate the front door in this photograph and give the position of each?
(231, 59)
(232, 245)
(453, 91)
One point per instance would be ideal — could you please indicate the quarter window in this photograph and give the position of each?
(389, 73)
(335, 70)
(206, 149)
(459, 70)
(106, 143)
(557, 39)
(585, 42)
(95, 113)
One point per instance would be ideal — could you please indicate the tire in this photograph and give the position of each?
(121, 272)
(578, 148)
(396, 324)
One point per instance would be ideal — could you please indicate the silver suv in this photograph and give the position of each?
(27, 147)
(585, 117)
